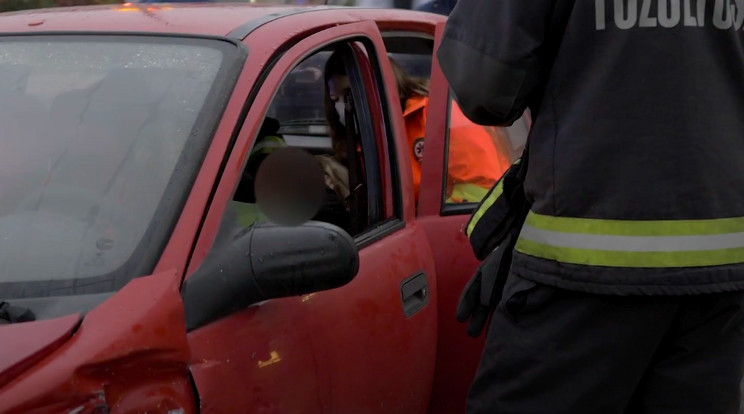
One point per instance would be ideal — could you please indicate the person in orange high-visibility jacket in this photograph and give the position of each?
(473, 163)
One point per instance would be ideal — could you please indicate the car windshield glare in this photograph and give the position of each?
(94, 129)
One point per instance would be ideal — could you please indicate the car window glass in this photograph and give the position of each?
(93, 131)
(417, 65)
(302, 115)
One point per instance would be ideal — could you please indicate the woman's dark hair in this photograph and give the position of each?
(334, 67)
(408, 86)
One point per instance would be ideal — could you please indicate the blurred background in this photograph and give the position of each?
(11, 5)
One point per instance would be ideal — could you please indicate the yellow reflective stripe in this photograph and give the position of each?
(467, 193)
(636, 227)
(248, 214)
(634, 243)
(487, 203)
(268, 144)
(650, 259)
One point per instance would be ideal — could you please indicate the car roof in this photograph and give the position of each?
(212, 19)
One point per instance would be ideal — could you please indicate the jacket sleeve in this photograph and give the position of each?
(490, 55)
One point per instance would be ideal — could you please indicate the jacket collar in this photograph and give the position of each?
(415, 103)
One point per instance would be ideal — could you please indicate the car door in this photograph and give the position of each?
(444, 221)
(367, 347)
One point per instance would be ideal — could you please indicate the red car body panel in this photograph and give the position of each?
(345, 350)
(321, 353)
(129, 354)
(457, 354)
(214, 20)
(290, 324)
(26, 344)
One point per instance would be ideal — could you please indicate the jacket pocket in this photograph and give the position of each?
(517, 292)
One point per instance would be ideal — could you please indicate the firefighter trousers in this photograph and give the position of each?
(555, 351)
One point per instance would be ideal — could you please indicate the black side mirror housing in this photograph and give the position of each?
(269, 261)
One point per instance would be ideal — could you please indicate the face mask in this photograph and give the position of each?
(341, 111)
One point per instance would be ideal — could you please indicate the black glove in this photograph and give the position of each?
(483, 292)
(498, 214)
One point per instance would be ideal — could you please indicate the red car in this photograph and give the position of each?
(125, 133)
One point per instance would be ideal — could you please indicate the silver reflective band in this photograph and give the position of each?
(633, 243)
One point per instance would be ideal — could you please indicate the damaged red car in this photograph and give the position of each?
(135, 274)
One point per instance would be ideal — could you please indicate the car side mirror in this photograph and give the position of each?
(269, 261)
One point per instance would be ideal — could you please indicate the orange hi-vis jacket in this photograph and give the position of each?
(474, 163)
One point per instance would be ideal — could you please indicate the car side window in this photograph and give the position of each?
(322, 108)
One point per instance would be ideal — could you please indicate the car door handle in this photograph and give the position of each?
(414, 293)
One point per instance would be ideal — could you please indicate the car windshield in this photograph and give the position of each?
(100, 137)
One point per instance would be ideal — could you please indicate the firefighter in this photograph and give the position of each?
(624, 293)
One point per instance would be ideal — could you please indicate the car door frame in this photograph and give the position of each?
(401, 230)
(457, 353)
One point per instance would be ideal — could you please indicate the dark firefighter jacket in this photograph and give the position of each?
(636, 154)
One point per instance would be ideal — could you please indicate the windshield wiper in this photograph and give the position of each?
(14, 314)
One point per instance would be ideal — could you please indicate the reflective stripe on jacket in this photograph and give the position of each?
(628, 243)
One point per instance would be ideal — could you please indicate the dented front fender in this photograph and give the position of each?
(129, 355)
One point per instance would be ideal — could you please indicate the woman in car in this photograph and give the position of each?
(474, 163)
